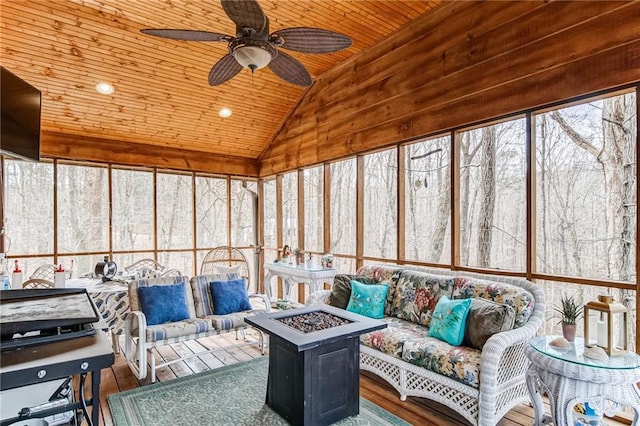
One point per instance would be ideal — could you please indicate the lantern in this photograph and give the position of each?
(605, 325)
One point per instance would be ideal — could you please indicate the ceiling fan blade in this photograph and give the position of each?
(290, 69)
(225, 69)
(190, 35)
(245, 13)
(310, 40)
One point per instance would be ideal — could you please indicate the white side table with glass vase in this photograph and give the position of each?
(568, 378)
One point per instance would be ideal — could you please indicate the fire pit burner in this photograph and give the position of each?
(313, 321)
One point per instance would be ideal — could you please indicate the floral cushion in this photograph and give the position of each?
(416, 294)
(456, 362)
(382, 273)
(518, 298)
(390, 340)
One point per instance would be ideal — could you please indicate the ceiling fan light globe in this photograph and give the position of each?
(252, 57)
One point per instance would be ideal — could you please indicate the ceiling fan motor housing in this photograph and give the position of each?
(252, 53)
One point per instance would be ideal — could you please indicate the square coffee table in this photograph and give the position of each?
(314, 362)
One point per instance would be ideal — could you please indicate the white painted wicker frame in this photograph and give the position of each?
(503, 365)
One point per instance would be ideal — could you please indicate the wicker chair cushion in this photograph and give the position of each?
(230, 321)
(416, 295)
(202, 292)
(456, 362)
(163, 303)
(229, 296)
(519, 299)
(134, 302)
(485, 319)
(341, 289)
(177, 329)
(391, 340)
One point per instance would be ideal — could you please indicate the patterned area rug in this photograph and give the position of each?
(231, 395)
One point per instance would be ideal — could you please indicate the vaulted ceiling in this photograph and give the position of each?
(162, 97)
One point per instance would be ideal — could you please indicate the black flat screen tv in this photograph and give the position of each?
(20, 105)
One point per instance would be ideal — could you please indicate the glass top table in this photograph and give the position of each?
(567, 377)
(575, 354)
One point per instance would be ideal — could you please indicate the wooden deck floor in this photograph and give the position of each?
(416, 411)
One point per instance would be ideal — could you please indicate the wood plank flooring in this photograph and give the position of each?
(416, 411)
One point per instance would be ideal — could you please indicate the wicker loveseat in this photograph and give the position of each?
(480, 384)
(141, 338)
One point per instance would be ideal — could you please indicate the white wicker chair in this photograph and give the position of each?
(220, 259)
(37, 283)
(145, 268)
(44, 272)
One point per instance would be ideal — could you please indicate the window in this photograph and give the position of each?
(269, 220)
(211, 212)
(83, 208)
(290, 209)
(493, 196)
(132, 209)
(243, 213)
(381, 204)
(175, 211)
(343, 207)
(29, 207)
(586, 185)
(314, 209)
(427, 201)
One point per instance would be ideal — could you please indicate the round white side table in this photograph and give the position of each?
(568, 378)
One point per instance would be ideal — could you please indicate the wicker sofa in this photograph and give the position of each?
(141, 338)
(482, 385)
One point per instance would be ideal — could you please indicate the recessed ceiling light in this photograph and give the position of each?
(225, 112)
(104, 88)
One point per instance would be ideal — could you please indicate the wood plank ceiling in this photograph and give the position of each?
(162, 98)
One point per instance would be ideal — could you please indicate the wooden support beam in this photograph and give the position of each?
(65, 146)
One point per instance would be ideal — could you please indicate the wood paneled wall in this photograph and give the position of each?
(65, 146)
(462, 63)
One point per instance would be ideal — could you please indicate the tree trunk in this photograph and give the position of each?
(488, 191)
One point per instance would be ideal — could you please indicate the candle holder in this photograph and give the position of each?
(609, 317)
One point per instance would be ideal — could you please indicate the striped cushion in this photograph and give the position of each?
(170, 330)
(202, 292)
(229, 321)
(134, 301)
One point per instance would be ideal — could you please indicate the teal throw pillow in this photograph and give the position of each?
(368, 299)
(449, 319)
(163, 303)
(229, 296)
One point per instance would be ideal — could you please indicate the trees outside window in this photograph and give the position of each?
(314, 209)
(29, 207)
(290, 210)
(493, 196)
(175, 211)
(381, 204)
(428, 200)
(343, 207)
(242, 213)
(132, 209)
(211, 212)
(269, 220)
(586, 186)
(83, 208)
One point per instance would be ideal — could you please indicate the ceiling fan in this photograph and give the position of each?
(254, 48)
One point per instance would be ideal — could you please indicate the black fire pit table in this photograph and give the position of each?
(314, 368)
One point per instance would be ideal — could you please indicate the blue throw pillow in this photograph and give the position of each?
(163, 303)
(449, 319)
(368, 299)
(229, 296)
